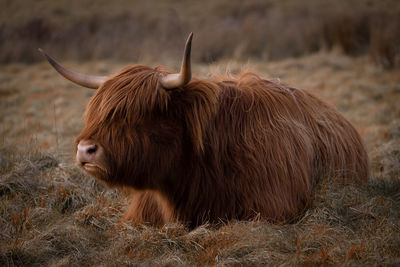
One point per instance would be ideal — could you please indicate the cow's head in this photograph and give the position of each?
(128, 135)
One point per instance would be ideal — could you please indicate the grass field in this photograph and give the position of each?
(51, 213)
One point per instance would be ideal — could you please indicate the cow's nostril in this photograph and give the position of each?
(92, 149)
(86, 152)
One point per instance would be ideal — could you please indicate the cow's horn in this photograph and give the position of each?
(175, 80)
(93, 82)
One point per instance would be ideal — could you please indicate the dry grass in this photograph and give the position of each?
(133, 30)
(53, 214)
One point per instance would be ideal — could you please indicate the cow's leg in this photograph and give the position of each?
(149, 207)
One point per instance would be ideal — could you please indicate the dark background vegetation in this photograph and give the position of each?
(228, 29)
(345, 52)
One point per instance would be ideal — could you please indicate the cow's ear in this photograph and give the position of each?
(200, 98)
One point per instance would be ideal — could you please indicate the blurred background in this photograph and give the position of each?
(347, 52)
(155, 30)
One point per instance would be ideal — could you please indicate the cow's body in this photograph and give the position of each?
(214, 150)
(239, 149)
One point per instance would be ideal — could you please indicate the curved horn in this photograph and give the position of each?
(175, 80)
(93, 82)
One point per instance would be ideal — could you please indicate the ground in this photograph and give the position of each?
(51, 213)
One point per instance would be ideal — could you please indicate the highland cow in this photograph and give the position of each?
(211, 150)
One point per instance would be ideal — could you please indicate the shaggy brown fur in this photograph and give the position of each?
(218, 149)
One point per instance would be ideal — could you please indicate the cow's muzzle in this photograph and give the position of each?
(90, 156)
